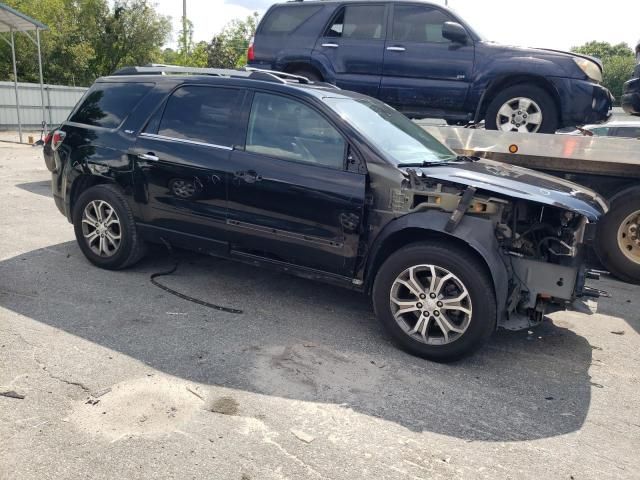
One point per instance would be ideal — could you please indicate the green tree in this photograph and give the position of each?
(131, 34)
(228, 49)
(86, 39)
(618, 62)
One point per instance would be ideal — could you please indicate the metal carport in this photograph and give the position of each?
(12, 21)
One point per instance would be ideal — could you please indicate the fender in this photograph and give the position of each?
(477, 233)
(319, 62)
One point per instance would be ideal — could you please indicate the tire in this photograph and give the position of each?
(105, 198)
(537, 99)
(467, 270)
(623, 210)
(307, 72)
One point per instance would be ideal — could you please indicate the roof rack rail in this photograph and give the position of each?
(246, 72)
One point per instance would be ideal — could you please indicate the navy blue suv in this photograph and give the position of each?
(425, 61)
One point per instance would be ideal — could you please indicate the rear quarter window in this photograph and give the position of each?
(285, 19)
(108, 104)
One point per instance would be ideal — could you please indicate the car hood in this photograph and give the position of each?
(541, 52)
(518, 182)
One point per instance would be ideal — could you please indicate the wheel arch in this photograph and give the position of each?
(81, 184)
(507, 81)
(474, 235)
(301, 65)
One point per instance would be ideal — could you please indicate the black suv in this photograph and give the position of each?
(331, 185)
(426, 61)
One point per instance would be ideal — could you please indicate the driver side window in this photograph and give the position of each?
(285, 128)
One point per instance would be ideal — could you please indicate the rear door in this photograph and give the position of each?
(291, 199)
(353, 44)
(423, 71)
(182, 160)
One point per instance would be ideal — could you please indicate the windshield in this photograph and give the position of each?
(393, 134)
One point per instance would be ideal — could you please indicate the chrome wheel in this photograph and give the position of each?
(430, 304)
(101, 228)
(629, 237)
(519, 114)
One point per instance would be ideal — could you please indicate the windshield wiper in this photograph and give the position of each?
(425, 163)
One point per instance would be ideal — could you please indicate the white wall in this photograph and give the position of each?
(58, 100)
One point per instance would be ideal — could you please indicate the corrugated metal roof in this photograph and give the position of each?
(11, 19)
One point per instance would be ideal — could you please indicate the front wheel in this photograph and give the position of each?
(618, 237)
(435, 301)
(522, 108)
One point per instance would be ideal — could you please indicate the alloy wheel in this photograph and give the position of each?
(431, 304)
(101, 228)
(519, 114)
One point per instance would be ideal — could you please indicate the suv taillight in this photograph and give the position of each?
(57, 139)
(250, 53)
(47, 138)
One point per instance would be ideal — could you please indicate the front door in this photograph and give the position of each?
(291, 198)
(182, 160)
(353, 44)
(423, 71)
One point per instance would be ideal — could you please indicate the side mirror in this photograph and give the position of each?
(455, 32)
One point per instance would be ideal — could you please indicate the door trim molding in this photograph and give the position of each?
(155, 136)
(275, 232)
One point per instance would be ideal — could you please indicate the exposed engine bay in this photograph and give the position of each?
(541, 245)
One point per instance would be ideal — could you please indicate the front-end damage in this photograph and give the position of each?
(540, 246)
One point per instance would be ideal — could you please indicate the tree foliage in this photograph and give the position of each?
(228, 49)
(86, 39)
(618, 61)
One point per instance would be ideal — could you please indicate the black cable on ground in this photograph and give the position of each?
(182, 295)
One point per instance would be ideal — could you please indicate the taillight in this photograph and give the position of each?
(57, 139)
(47, 138)
(251, 56)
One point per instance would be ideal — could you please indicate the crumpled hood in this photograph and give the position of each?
(518, 182)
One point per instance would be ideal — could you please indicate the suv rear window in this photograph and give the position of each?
(362, 22)
(107, 104)
(201, 114)
(284, 20)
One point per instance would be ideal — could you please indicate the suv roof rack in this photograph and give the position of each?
(246, 72)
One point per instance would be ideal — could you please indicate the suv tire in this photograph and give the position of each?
(618, 230)
(307, 72)
(466, 279)
(105, 229)
(508, 103)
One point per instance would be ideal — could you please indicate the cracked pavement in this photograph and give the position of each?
(123, 380)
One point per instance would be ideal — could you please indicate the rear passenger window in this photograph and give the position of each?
(202, 114)
(284, 20)
(107, 104)
(285, 128)
(412, 23)
(363, 22)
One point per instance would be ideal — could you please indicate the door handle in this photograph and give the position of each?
(330, 45)
(396, 49)
(148, 156)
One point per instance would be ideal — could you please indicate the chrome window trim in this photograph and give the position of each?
(155, 136)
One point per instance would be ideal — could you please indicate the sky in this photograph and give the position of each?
(559, 24)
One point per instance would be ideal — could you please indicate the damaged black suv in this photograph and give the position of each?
(274, 170)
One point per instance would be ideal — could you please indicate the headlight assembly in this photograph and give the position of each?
(591, 69)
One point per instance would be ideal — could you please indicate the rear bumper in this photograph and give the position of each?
(631, 97)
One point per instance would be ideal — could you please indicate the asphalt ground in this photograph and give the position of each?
(122, 380)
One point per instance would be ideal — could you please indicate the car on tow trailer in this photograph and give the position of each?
(277, 171)
(424, 60)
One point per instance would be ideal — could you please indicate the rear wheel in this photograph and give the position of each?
(307, 72)
(105, 228)
(618, 237)
(436, 302)
(522, 108)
